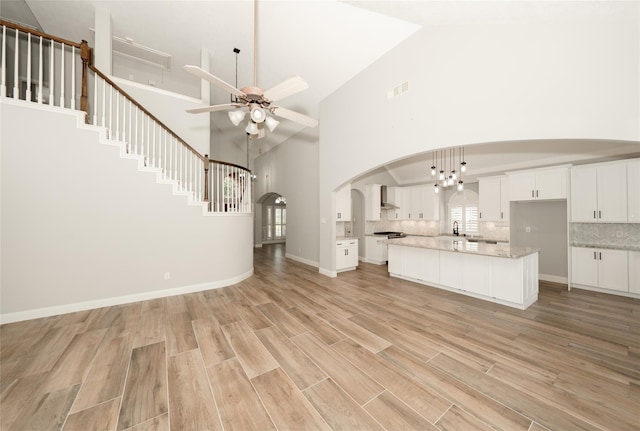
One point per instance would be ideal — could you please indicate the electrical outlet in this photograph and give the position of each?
(618, 234)
(527, 229)
(167, 275)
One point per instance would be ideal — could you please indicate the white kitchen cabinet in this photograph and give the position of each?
(420, 203)
(343, 203)
(538, 184)
(346, 255)
(396, 259)
(372, 202)
(421, 264)
(602, 268)
(476, 272)
(394, 197)
(375, 252)
(634, 272)
(599, 193)
(493, 198)
(633, 191)
(451, 269)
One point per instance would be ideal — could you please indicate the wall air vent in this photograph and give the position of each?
(398, 90)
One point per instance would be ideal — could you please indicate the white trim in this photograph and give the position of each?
(302, 260)
(607, 291)
(553, 278)
(257, 245)
(127, 299)
(327, 272)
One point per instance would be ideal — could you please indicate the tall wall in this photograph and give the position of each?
(83, 228)
(561, 73)
(291, 170)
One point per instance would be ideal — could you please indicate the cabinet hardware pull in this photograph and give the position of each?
(480, 215)
(532, 195)
(594, 214)
(501, 214)
(594, 255)
(537, 195)
(600, 253)
(599, 213)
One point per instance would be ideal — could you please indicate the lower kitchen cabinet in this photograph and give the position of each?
(476, 272)
(375, 252)
(634, 272)
(346, 255)
(600, 268)
(451, 269)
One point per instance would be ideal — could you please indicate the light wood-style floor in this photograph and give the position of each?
(289, 349)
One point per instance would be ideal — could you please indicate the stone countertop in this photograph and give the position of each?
(495, 250)
(346, 238)
(624, 247)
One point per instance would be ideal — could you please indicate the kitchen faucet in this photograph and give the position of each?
(456, 232)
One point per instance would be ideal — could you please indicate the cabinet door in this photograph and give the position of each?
(522, 186)
(504, 198)
(634, 272)
(374, 251)
(584, 198)
(405, 208)
(352, 254)
(413, 263)
(417, 202)
(372, 202)
(396, 259)
(394, 197)
(551, 184)
(612, 193)
(489, 199)
(431, 203)
(451, 269)
(507, 279)
(343, 203)
(633, 191)
(475, 273)
(431, 266)
(613, 272)
(584, 266)
(342, 260)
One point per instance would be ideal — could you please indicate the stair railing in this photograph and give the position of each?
(224, 187)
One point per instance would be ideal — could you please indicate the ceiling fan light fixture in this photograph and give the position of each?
(236, 116)
(252, 128)
(258, 115)
(271, 123)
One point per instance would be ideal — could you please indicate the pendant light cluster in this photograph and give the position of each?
(441, 178)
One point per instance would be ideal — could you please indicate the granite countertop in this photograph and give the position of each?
(495, 250)
(627, 247)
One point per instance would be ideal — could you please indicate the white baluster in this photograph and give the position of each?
(135, 149)
(153, 145)
(104, 101)
(51, 80)
(40, 72)
(16, 90)
(130, 126)
(163, 138)
(73, 77)
(28, 91)
(95, 99)
(3, 87)
(116, 135)
(62, 76)
(142, 136)
(110, 111)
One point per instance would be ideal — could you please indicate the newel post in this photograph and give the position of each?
(85, 55)
(206, 181)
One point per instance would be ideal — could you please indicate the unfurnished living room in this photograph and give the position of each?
(337, 215)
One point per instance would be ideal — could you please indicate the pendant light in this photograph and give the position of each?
(454, 177)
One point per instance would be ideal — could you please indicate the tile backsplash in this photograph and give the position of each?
(606, 234)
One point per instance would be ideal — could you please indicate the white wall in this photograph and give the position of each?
(291, 170)
(82, 227)
(537, 77)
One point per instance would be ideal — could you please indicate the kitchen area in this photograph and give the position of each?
(495, 239)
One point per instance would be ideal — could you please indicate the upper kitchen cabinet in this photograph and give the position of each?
(394, 197)
(372, 202)
(599, 193)
(633, 191)
(420, 203)
(494, 198)
(343, 203)
(538, 184)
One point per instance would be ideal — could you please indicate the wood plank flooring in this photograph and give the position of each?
(289, 349)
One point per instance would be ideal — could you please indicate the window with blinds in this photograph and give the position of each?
(463, 208)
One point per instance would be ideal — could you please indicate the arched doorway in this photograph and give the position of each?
(273, 220)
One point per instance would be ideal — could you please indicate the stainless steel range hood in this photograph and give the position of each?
(383, 200)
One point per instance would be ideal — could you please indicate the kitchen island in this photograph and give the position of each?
(498, 273)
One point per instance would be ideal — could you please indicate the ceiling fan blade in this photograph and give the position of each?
(294, 116)
(195, 70)
(213, 108)
(286, 88)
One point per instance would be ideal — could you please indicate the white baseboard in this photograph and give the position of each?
(302, 260)
(328, 272)
(553, 278)
(108, 302)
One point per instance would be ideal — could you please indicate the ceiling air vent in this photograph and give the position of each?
(398, 90)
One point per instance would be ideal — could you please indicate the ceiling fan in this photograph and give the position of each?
(253, 99)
